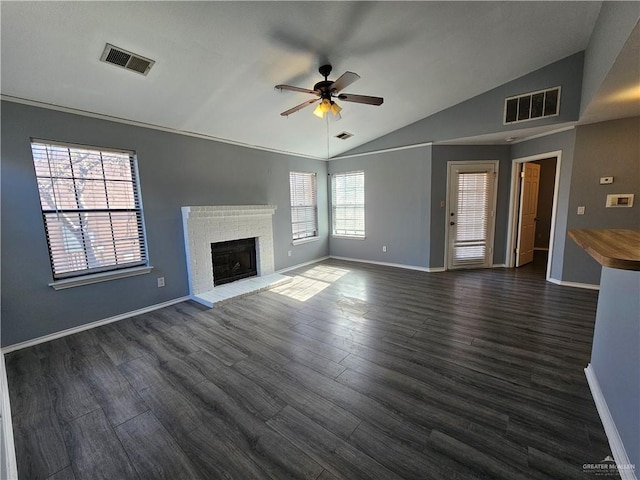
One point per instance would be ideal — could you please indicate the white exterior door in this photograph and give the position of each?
(471, 214)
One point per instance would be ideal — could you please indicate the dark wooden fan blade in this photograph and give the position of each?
(296, 89)
(349, 97)
(299, 107)
(346, 79)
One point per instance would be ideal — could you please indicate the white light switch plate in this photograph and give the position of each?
(581, 210)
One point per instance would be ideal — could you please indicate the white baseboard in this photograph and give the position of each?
(88, 326)
(588, 286)
(388, 264)
(310, 262)
(9, 467)
(405, 266)
(615, 442)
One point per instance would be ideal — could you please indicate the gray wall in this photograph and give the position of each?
(564, 142)
(615, 23)
(545, 202)
(615, 355)
(447, 153)
(398, 205)
(403, 191)
(602, 149)
(484, 113)
(175, 170)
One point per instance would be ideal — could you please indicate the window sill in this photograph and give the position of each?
(350, 237)
(305, 240)
(99, 277)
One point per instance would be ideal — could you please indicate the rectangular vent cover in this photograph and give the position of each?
(531, 106)
(344, 135)
(125, 59)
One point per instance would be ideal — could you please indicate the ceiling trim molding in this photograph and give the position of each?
(100, 116)
(543, 134)
(383, 150)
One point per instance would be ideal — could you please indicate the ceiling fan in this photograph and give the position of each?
(326, 91)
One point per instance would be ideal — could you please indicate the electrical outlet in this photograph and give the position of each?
(384, 248)
(160, 282)
(442, 204)
(288, 253)
(606, 180)
(581, 210)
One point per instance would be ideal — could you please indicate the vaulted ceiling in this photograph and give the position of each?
(217, 62)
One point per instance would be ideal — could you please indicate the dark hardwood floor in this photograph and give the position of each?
(350, 371)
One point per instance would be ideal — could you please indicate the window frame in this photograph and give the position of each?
(313, 233)
(63, 274)
(334, 207)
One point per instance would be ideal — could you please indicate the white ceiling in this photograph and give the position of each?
(217, 62)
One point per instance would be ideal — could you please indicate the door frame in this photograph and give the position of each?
(514, 206)
(491, 230)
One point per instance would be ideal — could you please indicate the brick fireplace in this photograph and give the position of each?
(206, 225)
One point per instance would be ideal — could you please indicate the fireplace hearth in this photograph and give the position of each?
(233, 260)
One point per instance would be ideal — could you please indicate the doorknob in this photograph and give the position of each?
(452, 223)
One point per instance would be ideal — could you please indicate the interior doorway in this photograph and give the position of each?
(533, 204)
(527, 212)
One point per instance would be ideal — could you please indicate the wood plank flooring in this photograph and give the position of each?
(349, 371)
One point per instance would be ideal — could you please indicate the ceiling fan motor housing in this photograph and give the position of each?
(323, 88)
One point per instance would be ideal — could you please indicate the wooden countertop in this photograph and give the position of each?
(611, 248)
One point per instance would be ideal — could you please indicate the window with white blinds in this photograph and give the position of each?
(473, 210)
(304, 205)
(347, 198)
(91, 208)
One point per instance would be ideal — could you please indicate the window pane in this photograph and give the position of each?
(86, 164)
(524, 107)
(120, 195)
(472, 217)
(115, 168)
(512, 110)
(92, 194)
(537, 104)
(551, 102)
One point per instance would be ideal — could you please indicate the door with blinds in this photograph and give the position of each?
(471, 214)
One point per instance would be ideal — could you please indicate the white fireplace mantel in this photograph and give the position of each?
(204, 225)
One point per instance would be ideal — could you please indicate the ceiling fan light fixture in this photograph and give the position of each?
(335, 108)
(325, 105)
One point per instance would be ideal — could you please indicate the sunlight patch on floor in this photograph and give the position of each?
(311, 282)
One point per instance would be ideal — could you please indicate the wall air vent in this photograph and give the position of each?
(532, 106)
(125, 59)
(344, 135)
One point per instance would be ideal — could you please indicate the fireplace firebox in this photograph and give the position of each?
(233, 260)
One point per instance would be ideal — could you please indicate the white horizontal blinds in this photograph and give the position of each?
(348, 204)
(91, 208)
(472, 217)
(304, 205)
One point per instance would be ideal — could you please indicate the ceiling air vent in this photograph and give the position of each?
(344, 135)
(531, 106)
(125, 59)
